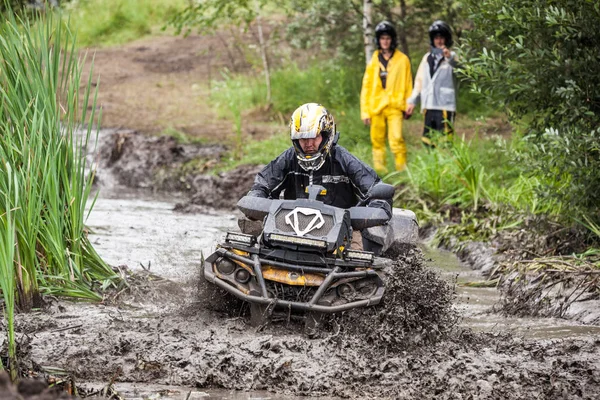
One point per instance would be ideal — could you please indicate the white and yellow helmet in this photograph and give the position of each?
(309, 121)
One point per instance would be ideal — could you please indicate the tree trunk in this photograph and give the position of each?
(265, 60)
(368, 29)
(402, 29)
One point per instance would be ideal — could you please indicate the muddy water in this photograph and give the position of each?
(157, 333)
(140, 230)
(476, 305)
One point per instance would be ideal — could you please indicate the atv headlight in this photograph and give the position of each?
(225, 266)
(321, 244)
(357, 255)
(240, 238)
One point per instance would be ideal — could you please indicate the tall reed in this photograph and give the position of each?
(44, 182)
(7, 253)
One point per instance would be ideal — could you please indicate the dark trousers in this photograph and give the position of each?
(438, 122)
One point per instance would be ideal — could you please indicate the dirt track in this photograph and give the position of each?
(164, 83)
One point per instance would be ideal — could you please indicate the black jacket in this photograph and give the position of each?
(346, 179)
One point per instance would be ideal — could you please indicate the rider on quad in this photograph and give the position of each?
(315, 158)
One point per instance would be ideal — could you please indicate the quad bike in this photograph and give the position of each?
(302, 262)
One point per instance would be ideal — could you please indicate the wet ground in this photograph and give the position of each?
(159, 332)
(476, 305)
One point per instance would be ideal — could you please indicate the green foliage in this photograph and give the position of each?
(331, 84)
(539, 60)
(232, 96)
(333, 26)
(477, 175)
(210, 14)
(44, 182)
(336, 26)
(473, 227)
(110, 22)
(8, 281)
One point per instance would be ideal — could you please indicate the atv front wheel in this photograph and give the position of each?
(259, 314)
(214, 298)
(313, 322)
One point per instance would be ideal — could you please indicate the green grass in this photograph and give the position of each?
(44, 182)
(331, 85)
(113, 22)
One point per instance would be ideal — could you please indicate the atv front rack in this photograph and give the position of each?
(260, 295)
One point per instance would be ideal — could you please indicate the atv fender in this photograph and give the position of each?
(403, 228)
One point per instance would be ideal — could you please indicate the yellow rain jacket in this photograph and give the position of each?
(373, 97)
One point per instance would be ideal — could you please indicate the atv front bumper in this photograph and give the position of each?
(327, 290)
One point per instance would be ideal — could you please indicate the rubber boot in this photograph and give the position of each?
(379, 162)
(400, 159)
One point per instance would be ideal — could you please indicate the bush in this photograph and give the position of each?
(539, 61)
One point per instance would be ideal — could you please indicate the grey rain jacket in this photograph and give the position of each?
(435, 92)
(346, 179)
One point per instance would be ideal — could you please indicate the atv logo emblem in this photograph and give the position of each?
(293, 220)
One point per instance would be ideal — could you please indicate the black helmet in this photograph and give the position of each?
(386, 28)
(440, 28)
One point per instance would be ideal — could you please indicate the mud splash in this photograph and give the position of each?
(417, 310)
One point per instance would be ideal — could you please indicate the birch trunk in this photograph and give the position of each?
(368, 29)
(265, 60)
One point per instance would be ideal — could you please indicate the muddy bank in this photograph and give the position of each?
(504, 259)
(29, 389)
(221, 191)
(162, 164)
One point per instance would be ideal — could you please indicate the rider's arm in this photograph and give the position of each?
(269, 182)
(363, 178)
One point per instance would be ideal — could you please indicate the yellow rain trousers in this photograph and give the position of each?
(385, 106)
(393, 119)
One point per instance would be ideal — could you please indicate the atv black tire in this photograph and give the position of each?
(214, 298)
(259, 314)
(313, 322)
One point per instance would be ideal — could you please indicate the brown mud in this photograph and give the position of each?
(164, 83)
(570, 293)
(160, 333)
(162, 164)
(409, 347)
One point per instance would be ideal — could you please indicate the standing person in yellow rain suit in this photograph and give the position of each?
(386, 86)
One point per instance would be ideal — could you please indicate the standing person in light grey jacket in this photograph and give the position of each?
(434, 85)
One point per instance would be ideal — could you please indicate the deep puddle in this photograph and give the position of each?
(137, 229)
(475, 304)
(133, 391)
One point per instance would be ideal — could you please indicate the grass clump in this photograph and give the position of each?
(113, 22)
(44, 178)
